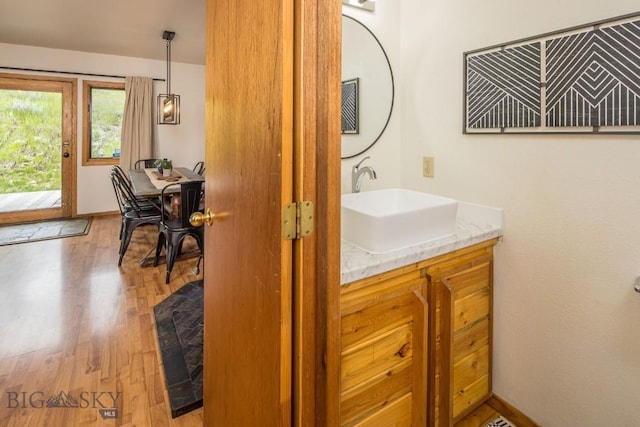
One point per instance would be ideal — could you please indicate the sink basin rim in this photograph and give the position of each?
(394, 202)
(381, 221)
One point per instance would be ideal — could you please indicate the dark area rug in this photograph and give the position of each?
(179, 325)
(43, 230)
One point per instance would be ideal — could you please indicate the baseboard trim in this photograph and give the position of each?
(510, 412)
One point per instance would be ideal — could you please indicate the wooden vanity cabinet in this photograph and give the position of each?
(416, 341)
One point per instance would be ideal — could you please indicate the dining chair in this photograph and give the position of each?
(199, 168)
(133, 213)
(173, 231)
(142, 202)
(123, 204)
(147, 163)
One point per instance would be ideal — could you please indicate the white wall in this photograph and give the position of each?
(567, 321)
(385, 154)
(183, 143)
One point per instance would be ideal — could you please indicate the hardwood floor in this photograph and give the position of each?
(73, 322)
(480, 417)
(493, 408)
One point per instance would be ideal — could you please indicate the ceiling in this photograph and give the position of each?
(116, 27)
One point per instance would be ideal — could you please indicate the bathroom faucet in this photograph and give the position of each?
(357, 175)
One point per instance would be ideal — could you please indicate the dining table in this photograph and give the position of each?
(149, 182)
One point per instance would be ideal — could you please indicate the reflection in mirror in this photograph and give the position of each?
(367, 88)
(363, 4)
(350, 106)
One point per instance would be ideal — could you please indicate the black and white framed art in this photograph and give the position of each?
(580, 80)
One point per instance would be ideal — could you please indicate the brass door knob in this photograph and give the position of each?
(198, 218)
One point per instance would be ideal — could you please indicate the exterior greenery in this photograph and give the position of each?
(30, 141)
(107, 107)
(31, 136)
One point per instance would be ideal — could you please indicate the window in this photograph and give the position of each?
(103, 111)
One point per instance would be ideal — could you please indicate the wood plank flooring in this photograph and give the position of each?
(480, 417)
(73, 322)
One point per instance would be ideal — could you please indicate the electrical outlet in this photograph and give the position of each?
(427, 167)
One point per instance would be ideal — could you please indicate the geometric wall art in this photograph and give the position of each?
(350, 106)
(581, 80)
(504, 88)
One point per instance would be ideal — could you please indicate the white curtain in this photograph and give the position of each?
(137, 122)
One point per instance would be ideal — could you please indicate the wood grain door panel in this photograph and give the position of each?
(249, 148)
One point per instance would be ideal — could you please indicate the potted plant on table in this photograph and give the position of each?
(164, 166)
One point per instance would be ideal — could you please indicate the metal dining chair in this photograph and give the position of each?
(199, 168)
(147, 163)
(142, 202)
(133, 213)
(173, 231)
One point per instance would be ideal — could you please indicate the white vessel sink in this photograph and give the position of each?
(386, 220)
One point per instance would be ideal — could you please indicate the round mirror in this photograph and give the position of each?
(367, 88)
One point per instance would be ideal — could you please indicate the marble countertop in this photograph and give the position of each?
(474, 224)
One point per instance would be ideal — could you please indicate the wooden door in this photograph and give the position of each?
(271, 138)
(44, 112)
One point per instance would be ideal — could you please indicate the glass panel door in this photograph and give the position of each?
(37, 145)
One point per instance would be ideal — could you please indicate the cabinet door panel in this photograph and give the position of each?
(469, 281)
(383, 341)
(359, 295)
(469, 369)
(374, 394)
(378, 355)
(376, 319)
(397, 414)
(471, 309)
(461, 344)
(468, 340)
(469, 396)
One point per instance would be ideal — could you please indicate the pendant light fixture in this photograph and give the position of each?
(168, 103)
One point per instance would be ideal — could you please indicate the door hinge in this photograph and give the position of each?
(297, 220)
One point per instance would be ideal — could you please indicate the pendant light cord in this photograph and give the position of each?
(168, 67)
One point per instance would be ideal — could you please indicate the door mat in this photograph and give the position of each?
(44, 230)
(179, 325)
(500, 422)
